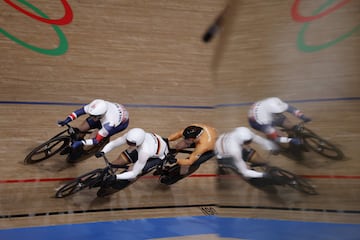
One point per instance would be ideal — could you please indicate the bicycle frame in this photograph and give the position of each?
(170, 173)
(292, 180)
(92, 179)
(312, 141)
(62, 142)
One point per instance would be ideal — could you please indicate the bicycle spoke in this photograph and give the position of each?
(303, 186)
(323, 147)
(88, 180)
(70, 188)
(47, 149)
(296, 182)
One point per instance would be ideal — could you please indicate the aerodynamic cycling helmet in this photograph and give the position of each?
(98, 107)
(244, 135)
(192, 132)
(276, 105)
(135, 137)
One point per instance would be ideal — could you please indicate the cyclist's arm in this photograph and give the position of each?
(242, 166)
(294, 111)
(266, 144)
(115, 143)
(77, 113)
(175, 135)
(195, 155)
(101, 134)
(137, 168)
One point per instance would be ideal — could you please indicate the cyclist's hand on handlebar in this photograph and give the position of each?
(295, 141)
(99, 154)
(64, 122)
(305, 119)
(77, 144)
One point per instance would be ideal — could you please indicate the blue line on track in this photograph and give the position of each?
(180, 106)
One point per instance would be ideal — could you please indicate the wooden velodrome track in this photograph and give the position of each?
(149, 56)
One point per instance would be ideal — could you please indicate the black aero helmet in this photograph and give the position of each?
(192, 132)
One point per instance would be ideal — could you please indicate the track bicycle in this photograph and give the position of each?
(61, 143)
(287, 178)
(170, 172)
(93, 179)
(312, 141)
(96, 178)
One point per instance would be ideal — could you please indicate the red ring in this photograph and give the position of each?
(299, 18)
(66, 19)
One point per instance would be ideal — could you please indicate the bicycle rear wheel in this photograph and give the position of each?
(297, 182)
(322, 147)
(47, 149)
(87, 180)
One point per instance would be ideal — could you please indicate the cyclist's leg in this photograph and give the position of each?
(268, 129)
(251, 155)
(281, 120)
(87, 124)
(110, 131)
(127, 156)
(151, 164)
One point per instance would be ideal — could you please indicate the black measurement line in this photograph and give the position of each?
(201, 206)
(294, 209)
(24, 215)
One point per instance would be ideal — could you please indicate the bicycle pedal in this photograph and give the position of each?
(292, 182)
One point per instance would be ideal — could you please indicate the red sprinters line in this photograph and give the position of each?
(299, 18)
(192, 176)
(66, 19)
(36, 180)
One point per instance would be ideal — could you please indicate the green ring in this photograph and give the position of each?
(312, 48)
(63, 45)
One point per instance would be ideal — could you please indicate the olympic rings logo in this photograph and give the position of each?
(63, 43)
(322, 11)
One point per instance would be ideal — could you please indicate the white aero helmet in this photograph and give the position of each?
(135, 136)
(243, 134)
(98, 107)
(275, 105)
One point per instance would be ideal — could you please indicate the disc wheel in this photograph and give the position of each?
(323, 147)
(47, 149)
(80, 183)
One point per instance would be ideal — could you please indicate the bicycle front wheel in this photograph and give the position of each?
(47, 149)
(297, 182)
(87, 180)
(323, 147)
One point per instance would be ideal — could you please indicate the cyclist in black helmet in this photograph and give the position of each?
(202, 138)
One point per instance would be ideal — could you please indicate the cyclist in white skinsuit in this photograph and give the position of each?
(266, 114)
(110, 118)
(151, 150)
(234, 146)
